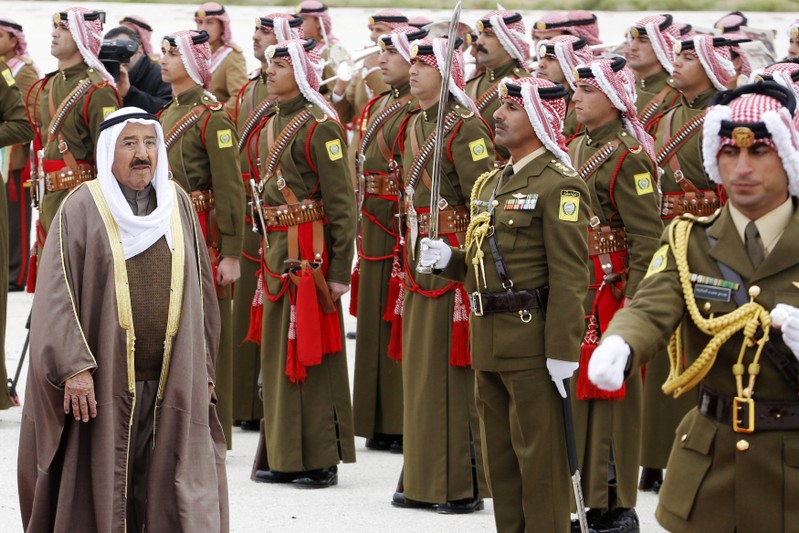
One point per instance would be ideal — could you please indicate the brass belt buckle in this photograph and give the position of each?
(743, 415)
(477, 303)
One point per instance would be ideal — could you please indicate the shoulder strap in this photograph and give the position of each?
(487, 97)
(422, 154)
(653, 106)
(183, 125)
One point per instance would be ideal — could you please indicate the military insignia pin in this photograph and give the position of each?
(743, 136)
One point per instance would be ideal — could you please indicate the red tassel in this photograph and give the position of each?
(395, 341)
(309, 319)
(459, 355)
(394, 282)
(585, 389)
(256, 311)
(295, 371)
(30, 283)
(355, 280)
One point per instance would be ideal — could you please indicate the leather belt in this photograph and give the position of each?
(294, 214)
(66, 178)
(702, 203)
(450, 220)
(766, 416)
(380, 184)
(203, 200)
(606, 240)
(484, 303)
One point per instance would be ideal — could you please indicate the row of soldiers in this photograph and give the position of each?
(271, 153)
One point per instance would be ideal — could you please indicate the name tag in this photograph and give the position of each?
(709, 292)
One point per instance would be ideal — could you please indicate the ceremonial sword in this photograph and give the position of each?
(571, 450)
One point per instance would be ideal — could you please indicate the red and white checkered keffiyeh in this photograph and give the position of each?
(281, 28)
(511, 36)
(685, 30)
(754, 108)
(223, 18)
(619, 87)
(716, 60)
(144, 31)
(568, 58)
(438, 59)
(88, 36)
(419, 21)
(735, 40)
(389, 12)
(731, 22)
(399, 40)
(306, 66)
(196, 57)
(546, 115)
(782, 74)
(662, 41)
(312, 8)
(589, 31)
(579, 23)
(15, 28)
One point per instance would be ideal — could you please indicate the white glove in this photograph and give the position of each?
(560, 370)
(786, 317)
(435, 253)
(607, 364)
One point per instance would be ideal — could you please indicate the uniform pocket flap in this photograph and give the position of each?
(515, 219)
(699, 436)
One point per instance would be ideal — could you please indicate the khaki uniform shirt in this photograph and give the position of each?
(229, 76)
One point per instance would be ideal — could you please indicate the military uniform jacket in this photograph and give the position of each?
(390, 128)
(229, 76)
(623, 196)
(251, 94)
(690, 154)
(359, 92)
(24, 76)
(543, 244)
(478, 88)
(749, 491)
(206, 157)
(649, 88)
(313, 171)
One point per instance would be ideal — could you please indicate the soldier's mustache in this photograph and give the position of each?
(140, 162)
(481, 48)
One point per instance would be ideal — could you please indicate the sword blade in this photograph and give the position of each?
(571, 450)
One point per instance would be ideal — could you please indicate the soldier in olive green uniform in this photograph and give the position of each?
(440, 431)
(614, 155)
(201, 145)
(727, 471)
(228, 66)
(13, 51)
(557, 59)
(377, 390)
(14, 129)
(69, 153)
(251, 106)
(308, 215)
(534, 212)
(650, 54)
(502, 52)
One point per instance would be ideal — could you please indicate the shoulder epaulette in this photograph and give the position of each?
(628, 140)
(96, 77)
(464, 111)
(211, 103)
(519, 72)
(563, 169)
(318, 113)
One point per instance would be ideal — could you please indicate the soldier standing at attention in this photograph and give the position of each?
(615, 157)
(557, 59)
(502, 51)
(710, 288)
(14, 129)
(66, 107)
(252, 105)
(650, 54)
(15, 169)
(533, 213)
(441, 439)
(377, 391)
(308, 219)
(201, 145)
(228, 66)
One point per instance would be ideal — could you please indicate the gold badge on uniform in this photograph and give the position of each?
(107, 111)
(643, 183)
(334, 151)
(224, 138)
(478, 149)
(569, 206)
(659, 261)
(8, 77)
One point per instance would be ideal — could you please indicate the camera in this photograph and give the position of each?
(115, 52)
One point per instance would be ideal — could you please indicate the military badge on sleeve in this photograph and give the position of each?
(660, 261)
(224, 138)
(569, 206)
(107, 111)
(643, 183)
(334, 151)
(9, 78)
(478, 149)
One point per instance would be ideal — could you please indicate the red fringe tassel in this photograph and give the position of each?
(355, 280)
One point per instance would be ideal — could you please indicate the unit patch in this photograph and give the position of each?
(659, 261)
(478, 149)
(569, 206)
(334, 151)
(224, 138)
(521, 202)
(107, 111)
(643, 183)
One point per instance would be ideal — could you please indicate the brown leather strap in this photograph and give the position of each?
(648, 112)
(382, 145)
(182, 126)
(605, 240)
(68, 177)
(59, 115)
(487, 96)
(202, 200)
(428, 181)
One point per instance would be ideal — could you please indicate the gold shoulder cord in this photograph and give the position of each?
(747, 318)
(479, 227)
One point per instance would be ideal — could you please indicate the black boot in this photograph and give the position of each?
(651, 479)
(591, 516)
(618, 521)
(318, 479)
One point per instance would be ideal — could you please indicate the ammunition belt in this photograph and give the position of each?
(283, 140)
(690, 128)
(487, 97)
(768, 416)
(203, 200)
(252, 120)
(66, 106)
(381, 117)
(381, 184)
(606, 240)
(293, 214)
(595, 161)
(450, 220)
(704, 203)
(66, 178)
(426, 150)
